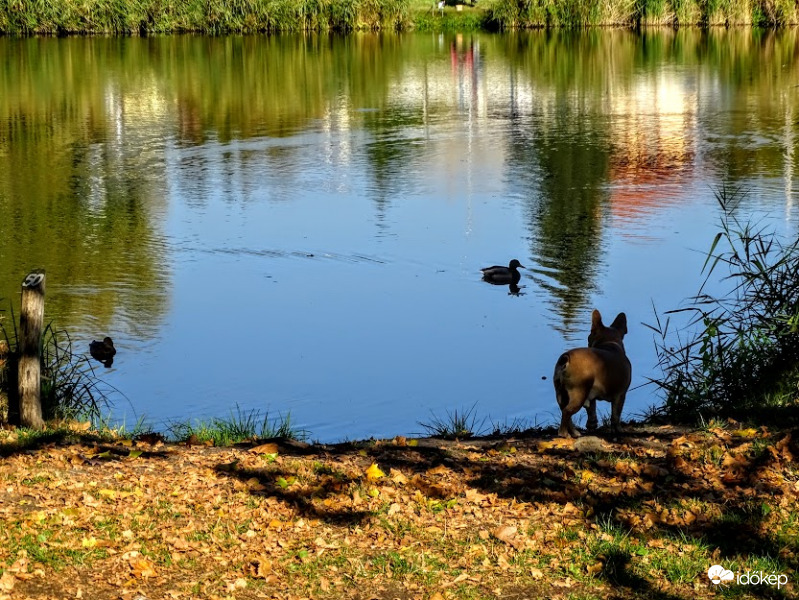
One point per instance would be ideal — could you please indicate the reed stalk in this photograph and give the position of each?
(126, 17)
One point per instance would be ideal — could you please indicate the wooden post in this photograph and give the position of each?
(31, 323)
(5, 352)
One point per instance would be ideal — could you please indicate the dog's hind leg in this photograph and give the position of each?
(616, 406)
(590, 408)
(576, 402)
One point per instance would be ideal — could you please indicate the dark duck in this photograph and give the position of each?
(503, 275)
(103, 351)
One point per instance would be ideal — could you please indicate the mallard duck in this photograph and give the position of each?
(503, 275)
(103, 351)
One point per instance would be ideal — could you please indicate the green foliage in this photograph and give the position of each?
(210, 16)
(452, 21)
(70, 388)
(241, 426)
(457, 424)
(743, 358)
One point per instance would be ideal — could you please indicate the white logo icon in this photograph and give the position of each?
(717, 574)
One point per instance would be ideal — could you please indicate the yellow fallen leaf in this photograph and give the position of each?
(744, 433)
(259, 567)
(269, 448)
(238, 584)
(108, 494)
(439, 470)
(89, 542)
(254, 484)
(374, 472)
(7, 581)
(555, 443)
(595, 568)
(142, 567)
(397, 477)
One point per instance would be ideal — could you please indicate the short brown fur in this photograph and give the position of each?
(601, 371)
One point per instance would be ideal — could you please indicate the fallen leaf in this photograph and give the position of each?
(7, 581)
(374, 472)
(142, 567)
(265, 449)
(507, 534)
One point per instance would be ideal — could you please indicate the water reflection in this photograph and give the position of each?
(143, 173)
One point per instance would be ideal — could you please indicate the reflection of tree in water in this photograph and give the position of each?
(102, 252)
(390, 155)
(80, 192)
(565, 220)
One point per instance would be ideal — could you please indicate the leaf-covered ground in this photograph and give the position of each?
(641, 517)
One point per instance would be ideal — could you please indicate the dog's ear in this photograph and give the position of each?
(620, 323)
(596, 320)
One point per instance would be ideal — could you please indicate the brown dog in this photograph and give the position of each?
(601, 371)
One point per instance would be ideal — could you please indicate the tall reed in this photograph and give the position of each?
(576, 14)
(70, 388)
(226, 16)
(742, 357)
(210, 16)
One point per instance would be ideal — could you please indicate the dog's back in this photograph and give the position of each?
(601, 371)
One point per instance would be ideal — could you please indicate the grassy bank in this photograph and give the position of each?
(643, 517)
(61, 17)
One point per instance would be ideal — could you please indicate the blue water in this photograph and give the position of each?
(331, 271)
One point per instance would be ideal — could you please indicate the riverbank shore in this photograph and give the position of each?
(119, 17)
(526, 516)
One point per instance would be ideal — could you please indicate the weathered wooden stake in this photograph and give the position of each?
(5, 351)
(31, 322)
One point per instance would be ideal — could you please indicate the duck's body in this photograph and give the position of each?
(503, 275)
(103, 351)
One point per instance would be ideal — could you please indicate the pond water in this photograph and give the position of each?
(296, 224)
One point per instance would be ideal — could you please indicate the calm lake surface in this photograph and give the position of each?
(296, 224)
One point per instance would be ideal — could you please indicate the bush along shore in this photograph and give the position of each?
(121, 17)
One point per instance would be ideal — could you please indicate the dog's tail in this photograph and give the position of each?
(559, 379)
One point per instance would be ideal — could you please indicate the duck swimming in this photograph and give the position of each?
(103, 351)
(503, 275)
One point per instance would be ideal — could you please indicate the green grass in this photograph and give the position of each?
(70, 386)
(239, 427)
(456, 424)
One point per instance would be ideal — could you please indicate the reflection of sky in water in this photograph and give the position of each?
(333, 272)
(360, 310)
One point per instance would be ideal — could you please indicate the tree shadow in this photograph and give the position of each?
(36, 441)
(636, 474)
(309, 502)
